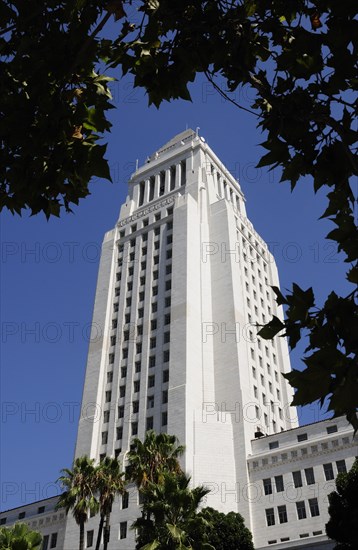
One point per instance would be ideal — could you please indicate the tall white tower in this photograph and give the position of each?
(183, 281)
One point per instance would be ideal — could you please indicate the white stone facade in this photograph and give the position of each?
(40, 516)
(183, 280)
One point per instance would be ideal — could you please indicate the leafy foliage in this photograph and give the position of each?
(19, 537)
(170, 520)
(80, 486)
(343, 510)
(150, 459)
(109, 482)
(225, 531)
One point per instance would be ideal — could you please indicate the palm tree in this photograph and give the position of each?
(19, 536)
(109, 482)
(148, 460)
(79, 495)
(171, 520)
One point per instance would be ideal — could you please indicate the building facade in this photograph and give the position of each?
(183, 281)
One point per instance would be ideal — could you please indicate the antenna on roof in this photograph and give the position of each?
(197, 131)
(136, 164)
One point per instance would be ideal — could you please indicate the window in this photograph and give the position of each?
(107, 399)
(136, 386)
(167, 319)
(21, 515)
(270, 516)
(169, 225)
(154, 307)
(119, 432)
(279, 484)
(169, 254)
(255, 391)
(123, 524)
(114, 323)
(142, 281)
(297, 478)
(121, 411)
(150, 401)
(53, 542)
(267, 486)
(328, 471)
(169, 239)
(167, 339)
(141, 296)
(309, 473)
(165, 376)
(137, 366)
(166, 356)
(45, 542)
(151, 381)
(332, 429)
(135, 405)
(140, 312)
(139, 347)
(113, 340)
(127, 318)
(152, 361)
(3, 521)
(134, 428)
(302, 437)
(273, 445)
(168, 285)
(172, 177)
(111, 361)
(164, 418)
(165, 396)
(106, 417)
(124, 353)
(157, 231)
(301, 509)
(282, 514)
(155, 290)
(149, 423)
(130, 271)
(168, 301)
(168, 269)
(153, 342)
(341, 466)
(153, 324)
(156, 260)
(89, 541)
(125, 500)
(41, 509)
(314, 509)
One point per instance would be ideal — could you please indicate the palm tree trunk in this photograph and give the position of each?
(100, 529)
(106, 531)
(82, 535)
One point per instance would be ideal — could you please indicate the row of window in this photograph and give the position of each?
(253, 239)
(298, 479)
(49, 541)
(136, 384)
(145, 222)
(161, 178)
(281, 514)
(90, 534)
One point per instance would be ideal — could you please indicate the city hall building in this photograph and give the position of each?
(183, 281)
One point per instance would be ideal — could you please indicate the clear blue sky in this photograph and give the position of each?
(49, 270)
